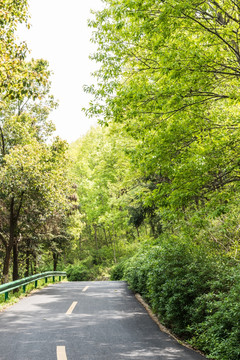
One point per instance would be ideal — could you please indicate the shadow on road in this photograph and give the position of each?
(107, 323)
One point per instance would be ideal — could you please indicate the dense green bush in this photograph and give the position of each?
(78, 273)
(195, 293)
(178, 277)
(219, 332)
(138, 269)
(117, 271)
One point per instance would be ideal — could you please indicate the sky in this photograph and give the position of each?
(60, 35)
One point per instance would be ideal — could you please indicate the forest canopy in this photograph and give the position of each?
(169, 73)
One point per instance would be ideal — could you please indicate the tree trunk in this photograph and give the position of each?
(138, 235)
(113, 245)
(152, 229)
(13, 219)
(26, 274)
(80, 243)
(6, 264)
(27, 259)
(10, 243)
(105, 235)
(55, 261)
(15, 261)
(95, 236)
(34, 270)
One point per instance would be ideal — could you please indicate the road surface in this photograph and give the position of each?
(85, 321)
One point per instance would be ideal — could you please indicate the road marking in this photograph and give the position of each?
(70, 310)
(61, 353)
(86, 287)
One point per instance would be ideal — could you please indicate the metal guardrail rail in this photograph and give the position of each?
(5, 288)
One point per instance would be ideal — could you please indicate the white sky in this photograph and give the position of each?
(59, 34)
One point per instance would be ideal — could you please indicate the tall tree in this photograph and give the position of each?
(33, 181)
(170, 72)
(103, 174)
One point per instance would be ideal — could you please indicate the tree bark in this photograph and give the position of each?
(13, 220)
(6, 264)
(105, 235)
(80, 243)
(34, 269)
(27, 259)
(15, 261)
(138, 235)
(10, 242)
(95, 236)
(113, 245)
(55, 261)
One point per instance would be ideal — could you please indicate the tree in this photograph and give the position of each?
(12, 54)
(169, 72)
(35, 190)
(33, 181)
(104, 177)
(31, 170)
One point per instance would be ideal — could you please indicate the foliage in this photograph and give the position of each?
(194, 292)
(102, 172)
(36, 195)
(168, 77)
(77, 273)
(169, 74)
(117, 271)
(218, 332)
(84, 270)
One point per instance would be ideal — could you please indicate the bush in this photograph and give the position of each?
(219, 332)
(78, 273)
(138, 269)
(180, 274)
(117, 271)
(195, 294)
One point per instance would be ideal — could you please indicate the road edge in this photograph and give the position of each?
(163, 328)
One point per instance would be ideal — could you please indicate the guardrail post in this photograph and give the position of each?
(6, 296)
(46, 280)
(60, 278)
(24, 288)
(36, 284)
(53, 278)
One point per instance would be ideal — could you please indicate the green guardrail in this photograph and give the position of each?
(5, 288)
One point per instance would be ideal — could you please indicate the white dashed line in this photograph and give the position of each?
(70, 310)
(61, 353)
(85, 289)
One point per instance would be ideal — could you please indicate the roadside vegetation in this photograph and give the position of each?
(37, 200)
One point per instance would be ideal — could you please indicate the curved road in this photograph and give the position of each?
(85, 321)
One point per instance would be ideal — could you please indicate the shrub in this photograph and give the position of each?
(117, 271)
(180, 274)
(219, 332)
(137, 270)
(78, 273)
(195, 293)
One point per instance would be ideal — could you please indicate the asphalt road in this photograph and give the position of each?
(85, 321)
